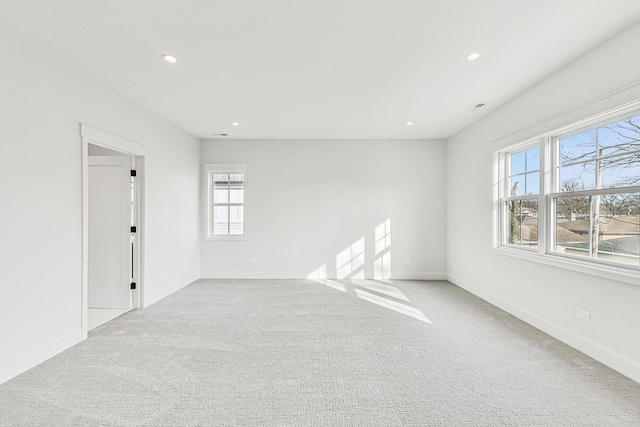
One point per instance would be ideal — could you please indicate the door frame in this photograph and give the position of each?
(94, 136)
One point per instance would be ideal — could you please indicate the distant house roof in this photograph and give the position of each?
(620, 225)
(530, 232)
(628, 245)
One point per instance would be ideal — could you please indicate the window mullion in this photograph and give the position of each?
(229, 206)
(550, 224)
(542, 188)
(210, 201)
(507, 176)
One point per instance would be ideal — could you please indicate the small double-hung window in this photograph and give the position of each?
(574, 194)
(225, 201)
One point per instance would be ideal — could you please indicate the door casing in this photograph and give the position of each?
(94, 136)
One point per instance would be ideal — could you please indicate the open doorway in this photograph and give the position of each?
(112, 221)
(113, 212)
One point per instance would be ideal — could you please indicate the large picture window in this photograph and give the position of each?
(225, 201)
(575, 193)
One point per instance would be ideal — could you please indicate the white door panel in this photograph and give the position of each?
(109, 232)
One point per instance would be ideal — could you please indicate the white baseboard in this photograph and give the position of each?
(607, 357)
(303, 275)
(163, 293)
(38, 355)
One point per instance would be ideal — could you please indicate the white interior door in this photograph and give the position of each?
(109, 229)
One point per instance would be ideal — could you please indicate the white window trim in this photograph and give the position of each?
(208, 202)
(568, 262)
(543, 254)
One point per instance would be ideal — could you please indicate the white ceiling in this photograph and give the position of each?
(320, 69)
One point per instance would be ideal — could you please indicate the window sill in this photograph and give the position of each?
(225, 238)
(600, 270)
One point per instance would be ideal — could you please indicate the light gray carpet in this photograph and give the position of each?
(241, 352)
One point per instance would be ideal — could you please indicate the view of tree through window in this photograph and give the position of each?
(590, 199)
(601, 165)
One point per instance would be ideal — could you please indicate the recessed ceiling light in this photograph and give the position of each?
(473, 56)
(409, 123)
(169, 58)
(235, 124)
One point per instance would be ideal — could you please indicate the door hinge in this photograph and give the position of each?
(134, 229)
(133, 285)
(133, 172)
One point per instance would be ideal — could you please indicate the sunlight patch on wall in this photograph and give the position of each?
(382, 264)
(319, 273)
(382, 267)
(382, 236)
(350, 260)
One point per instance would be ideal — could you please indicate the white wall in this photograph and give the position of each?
(544, 295)
(42, 103)
(307, 201)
